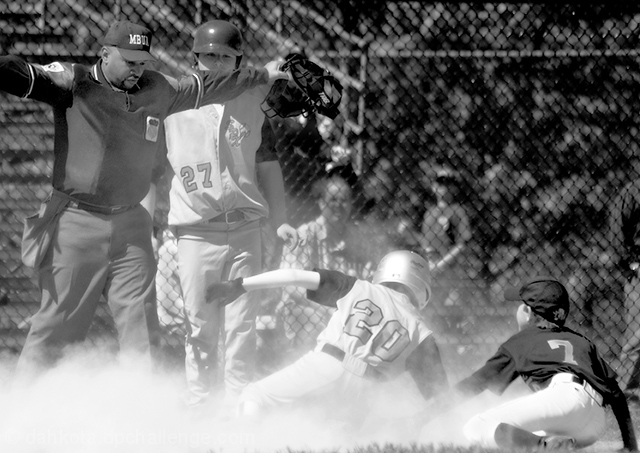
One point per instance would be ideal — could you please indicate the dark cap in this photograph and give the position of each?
(132, 40)
(545, 295)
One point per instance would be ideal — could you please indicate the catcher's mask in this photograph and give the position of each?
(218, 36)
(409, 269)
(311, 89)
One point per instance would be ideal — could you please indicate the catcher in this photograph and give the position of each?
(571, 383)
(375, 335)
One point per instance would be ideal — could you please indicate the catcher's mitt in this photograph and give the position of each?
(312, 89)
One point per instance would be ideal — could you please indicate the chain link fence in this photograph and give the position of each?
(503, 129)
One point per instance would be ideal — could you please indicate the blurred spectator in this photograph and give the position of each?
(300, 150)
(393, 206)
(334, 241)
(625, 242)
(445, 234)
(596, 294)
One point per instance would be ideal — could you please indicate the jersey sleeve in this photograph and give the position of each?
(425, 366)
(51, 84)
(334, 285)
(213, 87)
(604, 379)
(495, 375)
(161, 161)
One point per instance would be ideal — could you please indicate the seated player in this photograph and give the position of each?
(571, 383)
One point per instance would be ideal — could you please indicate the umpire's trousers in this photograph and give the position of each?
(93, 255)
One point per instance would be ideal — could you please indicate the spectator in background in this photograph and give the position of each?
(391, 202)
(299, 148)
(333, 241)
(445, 233)
(624, 238)
(227, 182)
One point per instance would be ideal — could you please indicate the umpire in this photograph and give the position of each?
(92, 237)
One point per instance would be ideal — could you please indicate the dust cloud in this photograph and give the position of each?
(96, 403)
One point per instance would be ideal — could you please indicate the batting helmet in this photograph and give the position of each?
(409, 269)
(218, 36)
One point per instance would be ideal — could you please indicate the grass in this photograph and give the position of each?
(611, 442)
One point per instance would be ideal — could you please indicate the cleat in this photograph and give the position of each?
(558, 443)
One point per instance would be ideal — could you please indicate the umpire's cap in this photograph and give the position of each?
(132, 40)
(545, 295)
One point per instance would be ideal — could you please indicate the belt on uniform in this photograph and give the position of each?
(228, 217)
(106, 210)
(593, 393)
(339, 354)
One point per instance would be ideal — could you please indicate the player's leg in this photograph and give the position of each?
(202, 255)
(71, 278)
(314, 375)
(240, 316)
(559, 410)
(131, 291)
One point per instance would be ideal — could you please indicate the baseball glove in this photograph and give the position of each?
(310, 89)
(223, 293)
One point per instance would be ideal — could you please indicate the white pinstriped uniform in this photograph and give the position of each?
(375, 326)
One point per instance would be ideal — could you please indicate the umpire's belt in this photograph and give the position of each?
(229, 217)
(106, 210)
(367, 371)
(569, 377)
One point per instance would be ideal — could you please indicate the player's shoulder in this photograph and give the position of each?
(527, 335)
(249, 100)
(260, 91)
(559, 332)
(577, 335)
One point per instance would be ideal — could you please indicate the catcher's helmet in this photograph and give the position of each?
(311, 89)
(409, 269)
(218, 36)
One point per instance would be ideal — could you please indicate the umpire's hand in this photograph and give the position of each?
(223, 293)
